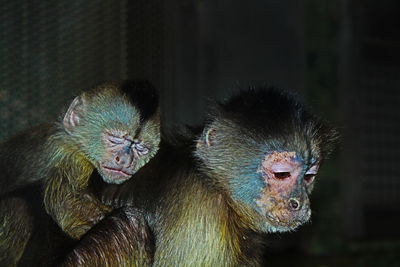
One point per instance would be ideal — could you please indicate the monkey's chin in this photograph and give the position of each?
(111, 176)
(116, 180)
(273, 226)
(270, 228)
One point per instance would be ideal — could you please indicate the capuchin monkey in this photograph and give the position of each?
(112, 129)
(208, 198)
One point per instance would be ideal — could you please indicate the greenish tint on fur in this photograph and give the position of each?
(62, 157)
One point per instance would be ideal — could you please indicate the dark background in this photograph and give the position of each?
(342, 56)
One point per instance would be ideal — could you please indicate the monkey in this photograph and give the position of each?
(112, 129)
(211, 195)
(125, 226)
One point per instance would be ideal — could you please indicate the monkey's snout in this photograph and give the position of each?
(294, 204)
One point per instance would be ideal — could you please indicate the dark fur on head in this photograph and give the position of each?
(143, 96)
(267, 112)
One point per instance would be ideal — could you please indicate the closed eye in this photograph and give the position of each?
(116, 140)
(141, 148)
(281, 175)
(309, 177)
(310, 174)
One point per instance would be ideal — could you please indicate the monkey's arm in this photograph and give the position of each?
(121, 239)
(75, 212)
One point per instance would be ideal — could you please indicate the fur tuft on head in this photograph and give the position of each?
(277, 114)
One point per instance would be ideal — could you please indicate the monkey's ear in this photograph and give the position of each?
(74, 114)
(208, 137)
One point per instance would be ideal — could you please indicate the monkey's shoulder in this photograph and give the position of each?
(33, 136)
(21, 151)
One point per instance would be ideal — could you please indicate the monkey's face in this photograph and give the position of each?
(126, 147)
(284, 200)
(270, 179)
(123, 156)
(111, 133)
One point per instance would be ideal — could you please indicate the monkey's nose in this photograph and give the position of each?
(294, 204)
(124, 161)
(120, 160)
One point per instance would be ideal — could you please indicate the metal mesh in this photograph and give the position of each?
(50, 50)
(380, 130)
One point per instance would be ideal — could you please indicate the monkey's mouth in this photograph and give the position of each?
(116, 171)
(287, 221)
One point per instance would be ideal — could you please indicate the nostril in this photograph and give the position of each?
(294, 204)
(117, 159)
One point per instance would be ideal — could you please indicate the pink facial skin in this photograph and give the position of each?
(281, 170)
(282, 173)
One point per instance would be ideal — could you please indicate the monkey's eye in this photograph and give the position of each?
(309, 177)
(281, 175)
(141, 148)
(310, 174)
(116, 140)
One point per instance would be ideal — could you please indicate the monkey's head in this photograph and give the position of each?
(116, 126)
(264, 150)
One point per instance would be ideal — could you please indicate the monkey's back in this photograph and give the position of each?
(23, 156)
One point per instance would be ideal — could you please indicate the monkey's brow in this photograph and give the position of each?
(118, 134)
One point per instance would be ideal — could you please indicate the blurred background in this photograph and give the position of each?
(342, 56)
